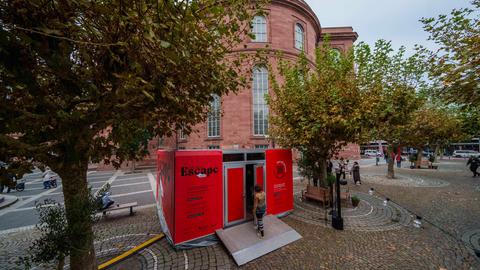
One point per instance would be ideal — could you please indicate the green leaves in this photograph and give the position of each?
(317, 109)
(85, 81)
(456, 65)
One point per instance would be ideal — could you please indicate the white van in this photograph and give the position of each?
(465, 153)
(370, 153)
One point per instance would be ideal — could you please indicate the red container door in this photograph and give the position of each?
(259, 170)
(198, 194)
(235, 194)
(279, 174)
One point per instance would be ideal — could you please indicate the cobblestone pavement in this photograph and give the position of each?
(372, 240)
(404, 180)
(370, 215)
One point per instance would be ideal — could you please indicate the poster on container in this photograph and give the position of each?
(165, 186)
(198, 194)
(279, 181)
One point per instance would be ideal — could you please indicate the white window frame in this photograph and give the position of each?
(299, 37)
(259, 29)
(262, 146)
(259, 104)
(213, 119)
(181, 135)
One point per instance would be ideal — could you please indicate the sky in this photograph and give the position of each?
(394, 20)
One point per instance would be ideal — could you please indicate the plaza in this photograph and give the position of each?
(375, 236)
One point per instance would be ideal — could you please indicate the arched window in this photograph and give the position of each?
(214, 118)
(259, 29)
(299, 36)
(260, 108)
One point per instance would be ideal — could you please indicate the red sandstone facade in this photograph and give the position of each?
(236, 123)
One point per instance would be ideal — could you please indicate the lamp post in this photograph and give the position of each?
(337, 220)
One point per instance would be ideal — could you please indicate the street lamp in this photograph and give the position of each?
(385, 202)
(417, 223)
(337, 220)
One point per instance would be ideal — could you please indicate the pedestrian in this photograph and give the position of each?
(399, 160)
(341, 165)
(474, 163)
(337, 167)
(377, 159)
(329, 167)
(385, 155)
(259, 209)
(3, 178)
(356, 173)
(346, 168)
(106, 201)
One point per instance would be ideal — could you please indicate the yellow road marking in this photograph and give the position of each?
(130, 252)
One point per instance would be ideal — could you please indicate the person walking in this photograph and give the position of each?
(399, 160)
(342, 165)
(329, 167)
(474, 163)
(3, 178)
(259, 209)
(346, 168)
(356, 173)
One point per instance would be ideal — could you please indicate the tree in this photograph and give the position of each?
(395, 83)
(318, 109)
(456, 63)
(85, 81)
(434, 126)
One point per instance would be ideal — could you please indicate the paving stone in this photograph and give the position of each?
(371, 239)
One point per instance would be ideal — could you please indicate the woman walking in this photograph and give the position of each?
(356, 173)
(259, 208)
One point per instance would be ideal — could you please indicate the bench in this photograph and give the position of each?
(120, 207)
(316, 193)
(345, 196)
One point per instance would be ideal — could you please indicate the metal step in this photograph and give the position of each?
(244, 244)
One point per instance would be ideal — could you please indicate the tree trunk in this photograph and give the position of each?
(61, 263)
(437, 150)
(78, 212)
(418, 163)
(391, 167)
(322, 172)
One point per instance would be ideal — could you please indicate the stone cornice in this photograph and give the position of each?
(303, 8)
(340, 33)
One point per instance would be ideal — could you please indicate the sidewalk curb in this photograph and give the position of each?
(8, 203)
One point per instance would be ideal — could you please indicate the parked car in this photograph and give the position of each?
(371, 153)
(465, 153)
(428, 153)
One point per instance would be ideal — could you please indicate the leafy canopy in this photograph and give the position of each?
(395, 83)
(101, 78)
(318, 106)
(455, 65)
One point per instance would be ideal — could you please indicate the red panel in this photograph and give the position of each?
(236, 205)
(259, 173)
(165, 187)
(198, 194)
(279, 181)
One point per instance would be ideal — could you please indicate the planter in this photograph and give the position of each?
(355, 202)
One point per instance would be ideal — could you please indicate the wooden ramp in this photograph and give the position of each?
(244, 244)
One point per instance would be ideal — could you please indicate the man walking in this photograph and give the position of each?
(474, 162)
